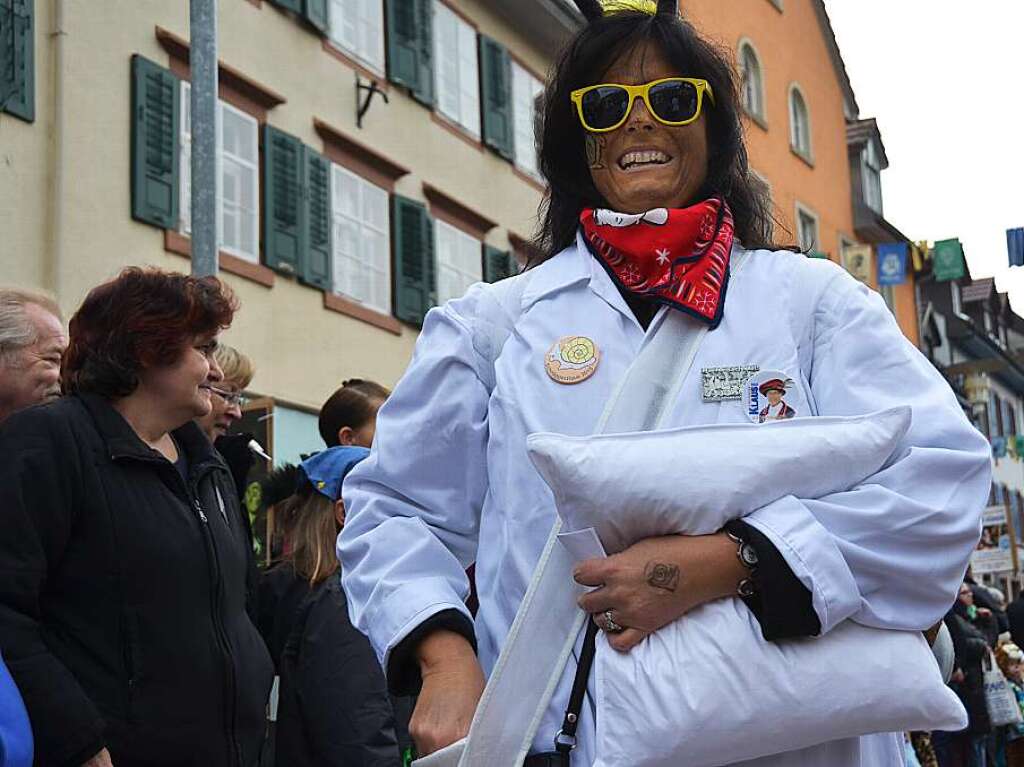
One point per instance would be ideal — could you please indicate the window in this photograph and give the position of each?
(459, 261)
(799, 123)
(239, 193)
(871, 172)
(806, 229)
(526, 91)
(456, 70)
(753, 81)
(362, 245)
(357, 27)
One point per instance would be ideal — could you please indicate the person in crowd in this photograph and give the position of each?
(15, 730)
(1011, 662)
(1015, 619)
(281, 589)
(225, 409)
(349, 416)
(122, 606)
(32, 341)
(334, 709)
(968, 747)
(642, 117)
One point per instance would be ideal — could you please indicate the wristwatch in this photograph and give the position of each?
(747, 555)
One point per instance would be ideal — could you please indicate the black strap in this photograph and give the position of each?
(565, 741)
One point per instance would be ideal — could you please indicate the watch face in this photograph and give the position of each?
(748, 555)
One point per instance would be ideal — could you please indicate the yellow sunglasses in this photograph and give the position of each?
(671, 101)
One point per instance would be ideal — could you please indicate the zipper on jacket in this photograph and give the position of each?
(222, 637)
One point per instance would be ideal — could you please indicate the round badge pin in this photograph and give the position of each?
(765, 397)
(572, 360)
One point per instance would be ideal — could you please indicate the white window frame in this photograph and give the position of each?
(185, 169)
(526, 91)
(465, 274)
(379, 264)
(457, 68)
(803, 210)
(758, 109)
(871, 173)
(804, 148)
(367, 44)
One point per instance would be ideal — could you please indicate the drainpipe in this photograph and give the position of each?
(55, 278)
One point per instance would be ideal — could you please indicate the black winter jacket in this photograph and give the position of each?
(123, 594)
(334, 709)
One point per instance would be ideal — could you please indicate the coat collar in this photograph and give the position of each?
(122, 441)
(575, 265)
(570, 267)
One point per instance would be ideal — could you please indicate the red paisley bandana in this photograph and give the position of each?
(677, 256)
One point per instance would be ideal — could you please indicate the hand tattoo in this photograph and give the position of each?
(662, 576)
(595, 151)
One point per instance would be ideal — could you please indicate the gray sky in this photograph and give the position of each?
(945, 80)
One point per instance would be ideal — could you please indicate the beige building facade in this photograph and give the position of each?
(317, 249)
(376, 157)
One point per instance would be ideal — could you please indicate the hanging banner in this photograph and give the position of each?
(857, 260)
(949, 260)
(1015, 246)
(892, 263)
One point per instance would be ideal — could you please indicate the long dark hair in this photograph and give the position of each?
(562, 146)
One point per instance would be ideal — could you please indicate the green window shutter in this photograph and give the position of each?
(283, 225)
(403, 42)
(17, 58)
(315, 12)
(496, 87)
(413, 242)
(498, 264)
(288, 5)
(317, 267)
(156, 118)
(424, 91)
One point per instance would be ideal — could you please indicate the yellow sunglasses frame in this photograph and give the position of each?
(643, 92)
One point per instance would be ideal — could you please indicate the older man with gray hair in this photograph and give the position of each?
(32, 341)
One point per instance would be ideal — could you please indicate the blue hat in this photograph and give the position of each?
(327, 469)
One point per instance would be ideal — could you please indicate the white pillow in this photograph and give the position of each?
(712, 691)
(695, 479)
(708, 688)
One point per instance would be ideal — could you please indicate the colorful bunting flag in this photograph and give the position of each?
(949, 260)
(1015, 246)
(892, 263)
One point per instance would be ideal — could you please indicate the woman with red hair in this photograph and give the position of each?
(123, 599)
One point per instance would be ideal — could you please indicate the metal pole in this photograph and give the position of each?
(205, 165)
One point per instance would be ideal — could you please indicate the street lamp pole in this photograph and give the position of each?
(205, 165)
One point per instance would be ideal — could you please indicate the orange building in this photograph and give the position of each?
(806, 138)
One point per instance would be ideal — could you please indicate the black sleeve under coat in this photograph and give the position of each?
(39, 468)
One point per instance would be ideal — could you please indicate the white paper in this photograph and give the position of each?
(582, 544)
(446, 757)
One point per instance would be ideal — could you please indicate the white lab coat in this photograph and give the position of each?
(449, 483)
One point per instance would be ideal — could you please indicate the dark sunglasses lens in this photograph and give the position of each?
(605, 106)
(674, 101)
